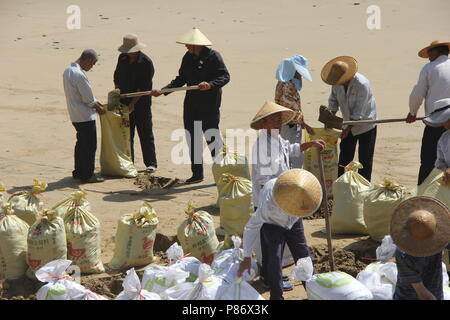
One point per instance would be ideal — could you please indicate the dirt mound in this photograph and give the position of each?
(320, 213)
(148, 181)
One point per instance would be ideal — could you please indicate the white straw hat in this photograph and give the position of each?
(268, 109)
(194, 37)
(131, 44)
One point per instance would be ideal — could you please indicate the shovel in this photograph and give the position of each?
(332, 121)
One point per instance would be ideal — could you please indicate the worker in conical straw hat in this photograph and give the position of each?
(204, 67)
(420, 227)
(352, 94)
(285, 200)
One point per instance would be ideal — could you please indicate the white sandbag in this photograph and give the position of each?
(226, 263)
(386, 250)
(135, 237)
(13, 245)
(372, 280)
(159, 278)
(76, 199)
(336, 286)
(46, 241)
(303, 270)
(132, 289)
(240, 290)
(176, 256)
(445, 286)
(27, 205)
(206, 287)
(434, 187)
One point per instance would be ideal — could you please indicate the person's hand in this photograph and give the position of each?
(319, 144)
(204, 86)
(155, 93)
(345, 132)
(246, 264)
(410, 118)
(99, 108)
(131, 107)
(447, 176)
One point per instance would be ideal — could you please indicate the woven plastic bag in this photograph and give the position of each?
(2, 189)
(159, 278)
(46, 241)
(348, 209)
(115, 154)
(235, 202)
(329, 156)
(13, 245)
(132, 289)
(76, 199)
(176, 256)
(197, 235)
(386, 250)
(135, 238)
(379, 204)
(83, 238)
(26, 204)
(240, 290)
(434, 187)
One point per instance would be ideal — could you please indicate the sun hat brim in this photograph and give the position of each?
(349, 74)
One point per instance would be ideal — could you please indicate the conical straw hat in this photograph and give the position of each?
(194, 37)
(298, 193)
(271, 108)
(436, 43)
(339, 70)
(420, 226)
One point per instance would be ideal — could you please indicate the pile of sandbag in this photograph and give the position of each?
(135, 238)
(235, 202)
(176, 256)
(27, 205)
(197, 235)
(133, 290)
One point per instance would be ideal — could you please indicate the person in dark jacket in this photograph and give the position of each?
(134, 72)
(204, 67)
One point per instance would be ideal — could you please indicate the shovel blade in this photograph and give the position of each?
(329, 119)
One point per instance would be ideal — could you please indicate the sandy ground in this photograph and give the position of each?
(37, 138)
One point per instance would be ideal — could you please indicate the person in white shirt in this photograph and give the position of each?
(433, 85)
(82, 107)
(296, 193)
(351, 93)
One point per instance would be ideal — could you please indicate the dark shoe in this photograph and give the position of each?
(194, 179)
(93, 179)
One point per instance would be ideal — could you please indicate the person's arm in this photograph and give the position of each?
(318, 143)
(144, 83)
(221, 76)
(85, 90)
(417, 95)
(179, 81)
(333, 103)
(422, 292)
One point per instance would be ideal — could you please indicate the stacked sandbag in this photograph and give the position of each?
(115, 154)
(76, 199)
(380, 278)
(159, 278)
(330, 157)
(379, 204)
(176, 256)
(83, 235)
(348, 208)
(46, 241)
(197, 235)
(434, 187)
(135, 238)
(235, 202)
(26, 204)
(13, 245)
(132, 289)
(240, 290)
(2, 189)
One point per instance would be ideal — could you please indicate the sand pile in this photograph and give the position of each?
(148, 181)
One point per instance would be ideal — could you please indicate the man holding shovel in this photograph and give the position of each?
(352, 94)
(204, 67)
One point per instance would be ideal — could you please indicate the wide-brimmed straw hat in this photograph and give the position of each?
(268, 109)
(194, 37)
(297, 192)
(436, 43)
(440, 114)
(420, 226)
(131, 44)
(339, 70)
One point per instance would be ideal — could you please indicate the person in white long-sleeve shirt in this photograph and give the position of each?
(82, 107)
(433, 85)
(352, 94)
(294, 194)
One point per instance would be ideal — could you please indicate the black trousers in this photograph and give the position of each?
(366, 149)
(141, 119)
(85, 149)
(273, 240)
(196, 124)
(428, 151)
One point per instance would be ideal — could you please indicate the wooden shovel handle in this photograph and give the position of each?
(145, 93)
(359, 122)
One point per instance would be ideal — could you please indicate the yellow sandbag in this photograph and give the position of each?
(330, 157)
(46, 241)
(135, 238)
(235, 202)
(2, 189)
(83, 238)
(13, 245)
(379, 204)
(115, 154)
(347, 215)
(76, 199)
(434, 187)
(229, 162)
(27, 205)
(197, 235)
